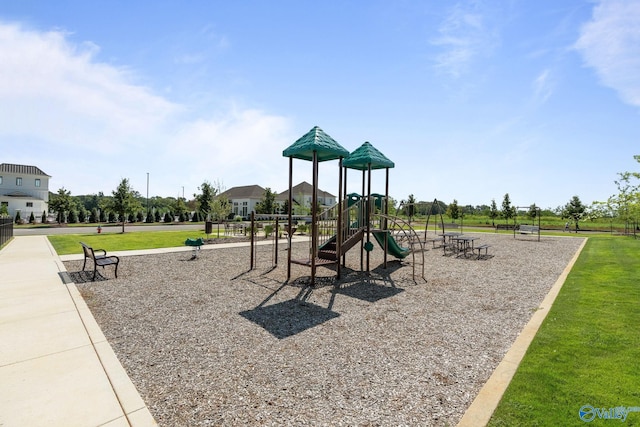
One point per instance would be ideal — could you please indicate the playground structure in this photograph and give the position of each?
(355, 218)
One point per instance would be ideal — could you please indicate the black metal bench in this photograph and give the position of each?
(479, 248)
(98, 260)
(528, 229)
(505, 227)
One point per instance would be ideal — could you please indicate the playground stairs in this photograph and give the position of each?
(329, 250)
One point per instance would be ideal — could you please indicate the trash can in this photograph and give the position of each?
(208, 227)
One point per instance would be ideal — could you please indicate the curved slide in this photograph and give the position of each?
(393, 248)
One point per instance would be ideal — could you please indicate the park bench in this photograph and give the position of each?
(528, 229)
(504, 227)
(98, 260)
(479, 248)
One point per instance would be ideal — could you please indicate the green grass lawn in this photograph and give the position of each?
(587, 351)
(66, 244)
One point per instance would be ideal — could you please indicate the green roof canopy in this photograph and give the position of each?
(316, 140)
(366, 155)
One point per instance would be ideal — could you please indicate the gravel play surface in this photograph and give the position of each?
(207, 342)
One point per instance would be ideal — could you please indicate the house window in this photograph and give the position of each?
(37, 182)
(29, 204)
(18, 181)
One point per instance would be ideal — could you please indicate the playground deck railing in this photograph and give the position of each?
(353, 219)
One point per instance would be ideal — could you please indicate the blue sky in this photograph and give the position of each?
(469, 99)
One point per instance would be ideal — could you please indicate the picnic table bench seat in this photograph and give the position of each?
(100, 260)
(479, 249)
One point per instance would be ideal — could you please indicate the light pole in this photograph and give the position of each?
(147, 219)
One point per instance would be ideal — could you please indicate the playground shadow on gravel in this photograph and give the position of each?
(288, 318)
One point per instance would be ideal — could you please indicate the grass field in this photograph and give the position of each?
(585, 355)
(66, 244)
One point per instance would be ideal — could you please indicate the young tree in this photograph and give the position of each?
(410, 207)
(205, 198)
(574, 210)
(533, 212)
(493, 212)
(60, 204)
(508, 211)
(454, 210)
(268, 202)
(179, 207)
(124, 201)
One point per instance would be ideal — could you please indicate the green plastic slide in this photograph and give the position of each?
(393, 248)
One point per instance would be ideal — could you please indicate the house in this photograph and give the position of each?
(245, 198)
(24, 189)
(302, 194)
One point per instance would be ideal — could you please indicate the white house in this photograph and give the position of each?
(24, 189)
(244, 199)
(302, 194)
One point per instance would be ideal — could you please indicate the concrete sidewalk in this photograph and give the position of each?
(56, 366)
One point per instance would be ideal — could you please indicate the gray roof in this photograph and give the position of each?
(21, 169)
(303, 188)
(244, 192)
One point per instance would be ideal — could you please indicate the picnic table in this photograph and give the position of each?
(463, 244)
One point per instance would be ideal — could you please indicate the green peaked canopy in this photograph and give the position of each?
(316, 140)
(366, 155)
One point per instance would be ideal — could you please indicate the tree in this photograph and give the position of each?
(179, 207)
(268, 202)
(454, 210)
(508, 211)
(410, 207)
(205, 198)
(61, 203)
(574, 210)
(533, 212)
(123, 201)
(493, 212)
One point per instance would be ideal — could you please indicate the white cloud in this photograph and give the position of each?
(463, 36)
(52, 89)
(97, 124)
(610, 43)
(543, 86)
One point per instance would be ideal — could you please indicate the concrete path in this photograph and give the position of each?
(56, 366)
